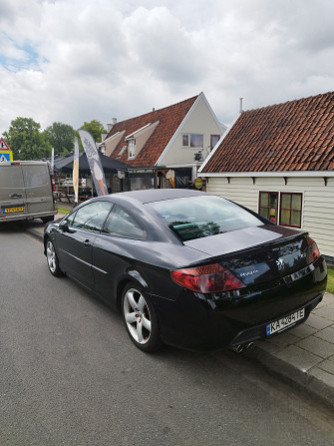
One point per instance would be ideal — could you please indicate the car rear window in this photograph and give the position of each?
(36, 176)
(198, 217)
(11, 176)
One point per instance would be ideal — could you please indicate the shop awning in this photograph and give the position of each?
(64, 163)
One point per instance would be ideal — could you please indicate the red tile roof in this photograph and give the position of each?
(293, 136)
(169, 120)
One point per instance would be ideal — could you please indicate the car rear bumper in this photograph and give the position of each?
(210, 322)
(260, 331)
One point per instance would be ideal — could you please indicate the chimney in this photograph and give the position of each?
(241, 110)
(110, 126)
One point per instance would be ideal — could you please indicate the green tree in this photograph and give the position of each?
(26, 140)
(61, 137)
(95, 128)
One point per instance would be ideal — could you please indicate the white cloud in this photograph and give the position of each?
(74, 61)
(160, 45)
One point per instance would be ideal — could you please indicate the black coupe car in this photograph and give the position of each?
(187, 268)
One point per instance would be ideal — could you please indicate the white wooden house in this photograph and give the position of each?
(279, 162)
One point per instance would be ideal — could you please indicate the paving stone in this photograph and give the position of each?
(317, 346)
(303, 331)
(323, 376)
(328, 298)
(318, 322)
(267, 346)
(298, 357)
(325, 311)
(284, 339)
(323, 303)
(327, 365)
(326, 334)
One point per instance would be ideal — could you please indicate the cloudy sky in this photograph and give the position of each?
(73, 61)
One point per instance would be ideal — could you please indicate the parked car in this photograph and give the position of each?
(27, 191)
(187, 268)
(67, 181)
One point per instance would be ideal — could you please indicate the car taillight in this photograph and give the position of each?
(207, 279)
(313, 250)
(53, 183)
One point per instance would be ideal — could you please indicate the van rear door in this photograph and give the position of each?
(38, 188)
(13, 199)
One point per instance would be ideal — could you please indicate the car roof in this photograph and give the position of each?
(151, 195)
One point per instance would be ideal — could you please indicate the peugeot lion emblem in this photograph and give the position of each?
(280, 264)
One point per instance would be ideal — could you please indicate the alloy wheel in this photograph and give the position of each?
(137, 316)
(51, 256)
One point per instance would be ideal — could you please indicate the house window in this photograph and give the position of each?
(269, 205)
(194, 140)
(213, 140)
(132, 148)
(141, 181)
(281, 208)
(291, 210)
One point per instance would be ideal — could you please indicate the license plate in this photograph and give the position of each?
(285, 322)
(13, 210)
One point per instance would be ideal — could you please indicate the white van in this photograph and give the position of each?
(27, 191)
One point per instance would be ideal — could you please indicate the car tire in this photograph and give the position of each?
(53, 261)
(140, 319)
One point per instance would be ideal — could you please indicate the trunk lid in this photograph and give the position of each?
(257, 254)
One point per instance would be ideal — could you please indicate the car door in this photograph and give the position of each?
(75, 244)
(114, 250)
(38, 188)
(13, 200)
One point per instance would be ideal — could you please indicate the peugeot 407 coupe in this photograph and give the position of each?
(187, 268)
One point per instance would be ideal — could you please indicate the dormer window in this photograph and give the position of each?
(132, 148)
(137, 139)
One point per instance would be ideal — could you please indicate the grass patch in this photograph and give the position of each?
(63, 210)
(330, 280)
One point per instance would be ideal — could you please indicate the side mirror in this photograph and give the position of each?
(63, 226)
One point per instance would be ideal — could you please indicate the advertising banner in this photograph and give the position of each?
(94, 162)
(76, 170)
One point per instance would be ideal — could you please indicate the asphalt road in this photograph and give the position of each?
(69, 375)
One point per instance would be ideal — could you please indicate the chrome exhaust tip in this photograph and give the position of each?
(249, 346)
(237, 348)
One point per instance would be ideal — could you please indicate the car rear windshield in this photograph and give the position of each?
(198, 217)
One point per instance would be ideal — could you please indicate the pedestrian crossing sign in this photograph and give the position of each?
(6, 155)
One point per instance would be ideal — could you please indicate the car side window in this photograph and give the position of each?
(121, 223)
(92, 216)
(69, 218)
